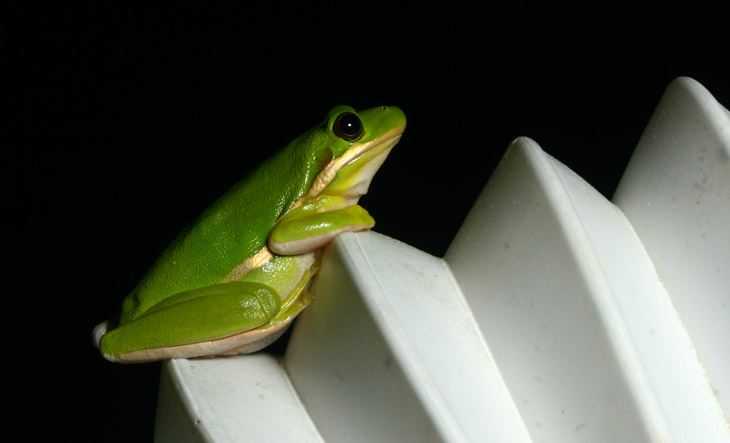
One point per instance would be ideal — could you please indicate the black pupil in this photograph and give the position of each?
(348, 126)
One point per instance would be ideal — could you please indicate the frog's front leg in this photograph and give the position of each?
(315, 223)
(206, 321)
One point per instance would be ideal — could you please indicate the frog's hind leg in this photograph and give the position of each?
(235, 317)
(204, 321)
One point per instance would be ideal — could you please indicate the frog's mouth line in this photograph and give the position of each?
(328, 174)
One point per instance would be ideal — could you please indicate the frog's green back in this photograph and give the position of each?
(237, 225)
(232, 229)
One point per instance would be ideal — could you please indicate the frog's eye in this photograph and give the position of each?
(348, 127)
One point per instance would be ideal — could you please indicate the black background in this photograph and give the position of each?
(125, 123)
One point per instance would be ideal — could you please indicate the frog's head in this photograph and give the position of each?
(358, 142)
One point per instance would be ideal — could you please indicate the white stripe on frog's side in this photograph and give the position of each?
(328, 174)
(255, 261)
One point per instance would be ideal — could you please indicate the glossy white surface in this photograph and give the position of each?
(575, 313)
(390, 352)
(240, 398)
(676, 194)
(552, 317)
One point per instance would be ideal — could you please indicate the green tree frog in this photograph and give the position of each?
(233, 280)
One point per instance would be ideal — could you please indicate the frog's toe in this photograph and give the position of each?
(98, 332)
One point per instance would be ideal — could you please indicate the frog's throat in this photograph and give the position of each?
(325, 177)
(255, 261)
